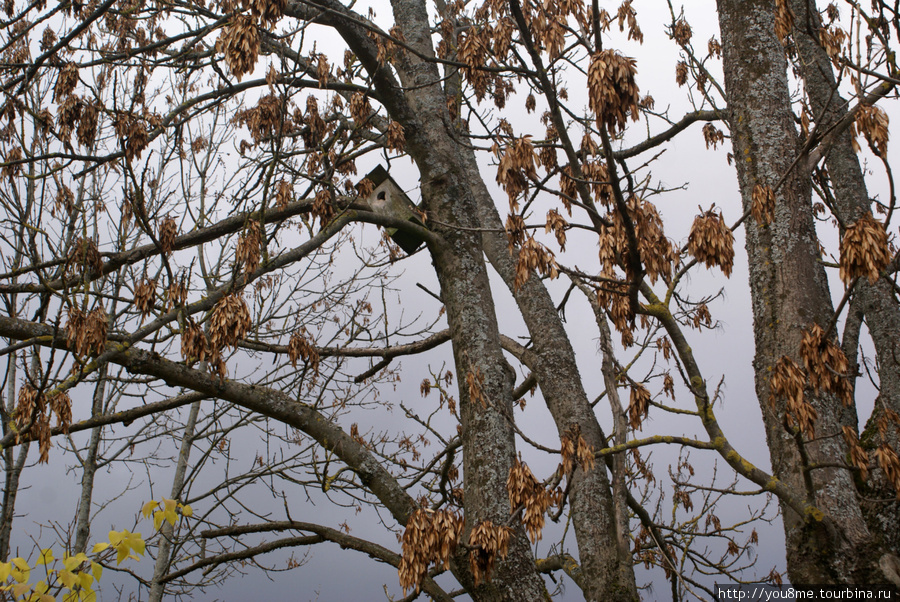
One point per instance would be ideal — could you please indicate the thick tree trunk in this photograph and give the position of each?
(790, 294)
(875, 302)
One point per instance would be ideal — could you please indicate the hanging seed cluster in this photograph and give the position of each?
(395, 139)
(657, 252)
(267, 11)
(864, 250)
(269, 118)
(526, 491)
(889, 463)
(430, 538)
(284, 194)
(516, 167)
(247, 253)
(488, 542)
(558, 225)
(784, 21)
(858, 456)
(85, 257)
(475, 383)
(787, 382)
(612, 90)
(638, 406)
(299, 348)
(86, 332)
(681, 32)
(681, 73)
(168, 231)
(832, 39)
(762, 205)
(176, 293)
(712, 136)
(145, 296)
(534, 257)
(575, 451)
(885, 455)
(194, 344)
(872, 122)
(36, 408)
(827, 368)
(711, 241)
(239, 42)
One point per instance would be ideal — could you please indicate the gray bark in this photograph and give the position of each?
(789, 293)
(875, 302)
(89, 467)
(166, 530)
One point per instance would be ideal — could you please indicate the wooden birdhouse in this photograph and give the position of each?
(388, 199)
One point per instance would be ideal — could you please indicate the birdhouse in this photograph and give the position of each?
(388, 199)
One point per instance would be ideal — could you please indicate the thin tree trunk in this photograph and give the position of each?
(89, 468)
(167, 531)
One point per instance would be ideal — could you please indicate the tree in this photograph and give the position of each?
(148, 258)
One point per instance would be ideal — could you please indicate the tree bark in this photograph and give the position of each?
(789, 293)
(875, 302)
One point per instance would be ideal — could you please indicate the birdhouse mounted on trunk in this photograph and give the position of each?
(388, 199)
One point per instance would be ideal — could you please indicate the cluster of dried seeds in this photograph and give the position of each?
(873, 123)
(638, 405)
(86, 332)
(762, 206)
(612, 90)
(299, 348)
(788, 382)
(247, 253)
(488, 542)
(526, 491)
(516, 168)
(145, 296)
(239, 42)
(430, 538)
(35, 408)
(711, 241)
(864, 250)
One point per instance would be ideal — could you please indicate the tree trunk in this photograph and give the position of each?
(789, 293)
(875, 302)
(89, 467)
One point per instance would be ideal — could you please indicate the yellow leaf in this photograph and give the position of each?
(122, 553)
(115, 537)
(171, 516)
(71, 563)
(41, 587)
(47, 598)
(87, 595)
(81, 557)
(5, 568)
(67, 578)
(99, 547)
(20, 564)
(70, 597)
(170, 505)
(46, 557)
(158, 519)
(186, 510)
(20, 589)
(149, 507)
(96, 570)
(85, 580)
